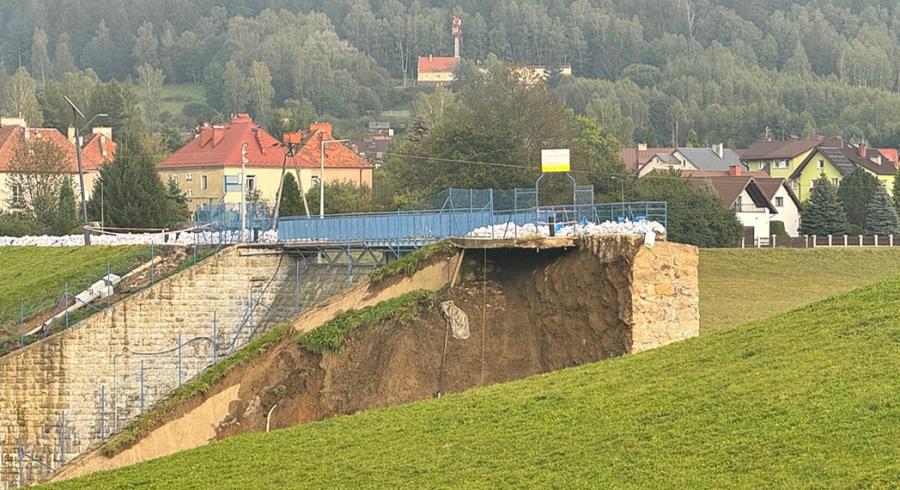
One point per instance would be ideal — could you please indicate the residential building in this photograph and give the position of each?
(533, 74)
(98, 149)
(781, 158)
(787, 205)
(635, 158)
(717, 158)
(757, 199)
(208, 168)
(837, 163)
(436, 71)
(373, 147)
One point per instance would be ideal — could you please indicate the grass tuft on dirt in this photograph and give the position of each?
(200, 385)
(737, 286)
(806, 399)
(410, 263)
(330, 336)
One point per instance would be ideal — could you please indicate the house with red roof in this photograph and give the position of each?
(436, 71)
(208, 168)
(98, 149)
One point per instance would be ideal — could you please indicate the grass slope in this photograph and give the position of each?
(36, 276)
(737, 286)
(809, 398)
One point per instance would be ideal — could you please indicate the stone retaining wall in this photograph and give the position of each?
(111, 355)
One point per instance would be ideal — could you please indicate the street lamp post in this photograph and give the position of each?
(75, 114)
(322, 174)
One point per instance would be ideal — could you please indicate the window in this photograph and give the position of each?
(762, 165)
(834, 181)
(204, 183)
(314, 181)
(18, 195)
(781, 164)
(821, 164)
(173, 178)
(251, 183)
(188, 177)
(779, 202)
(189, 193)
(812, 183)
(737, 203)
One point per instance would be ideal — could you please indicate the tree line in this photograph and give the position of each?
(655, 70)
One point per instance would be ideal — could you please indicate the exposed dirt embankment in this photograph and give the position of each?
(528, 312)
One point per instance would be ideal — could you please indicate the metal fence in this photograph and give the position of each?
(461, 211)
(822, 241)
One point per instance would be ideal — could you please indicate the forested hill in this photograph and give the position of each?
(723, 69)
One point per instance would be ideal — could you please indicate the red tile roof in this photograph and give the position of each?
(635, 158)
(12, 137)
(437, 64)
(94, 147)
(337, 155)
(222, 146)
(891, 154)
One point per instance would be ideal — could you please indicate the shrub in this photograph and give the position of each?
(19, 224)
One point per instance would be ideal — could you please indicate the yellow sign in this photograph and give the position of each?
(555, 161)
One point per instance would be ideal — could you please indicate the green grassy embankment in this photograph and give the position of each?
(808, 398)
(36, 276)
(738, 286)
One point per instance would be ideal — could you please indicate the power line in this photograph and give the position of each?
(524, 167)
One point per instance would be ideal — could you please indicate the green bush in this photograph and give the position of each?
(330, 336)
(697, 216)
(409, 263)
(19, 224)
(777, 229)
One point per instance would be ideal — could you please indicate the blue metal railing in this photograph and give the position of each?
(419, 227)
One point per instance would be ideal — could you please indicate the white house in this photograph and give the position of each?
(757, 199)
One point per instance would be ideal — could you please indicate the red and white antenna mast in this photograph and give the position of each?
(457, 34)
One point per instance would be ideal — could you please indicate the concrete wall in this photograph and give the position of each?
(65, 372)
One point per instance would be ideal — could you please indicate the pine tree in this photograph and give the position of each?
(881, 216)
(896, 192)
(855, 192)
(66, 213)
(62, 57)
(134, 195)
(823, 214)
(693, 140)
(290, 198)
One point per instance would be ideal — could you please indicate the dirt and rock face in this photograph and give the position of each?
(528, 312)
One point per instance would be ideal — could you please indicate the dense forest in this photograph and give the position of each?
(652, 71)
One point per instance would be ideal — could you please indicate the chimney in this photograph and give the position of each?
(862, 151)
(324, 129)
(12, 121)
(206, 134)
(70, 134)
(734, 170)
(103, 130)
(218, 134)
(720, 150)
(642, 147)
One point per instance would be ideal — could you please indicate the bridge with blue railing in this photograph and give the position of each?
(450, 213)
